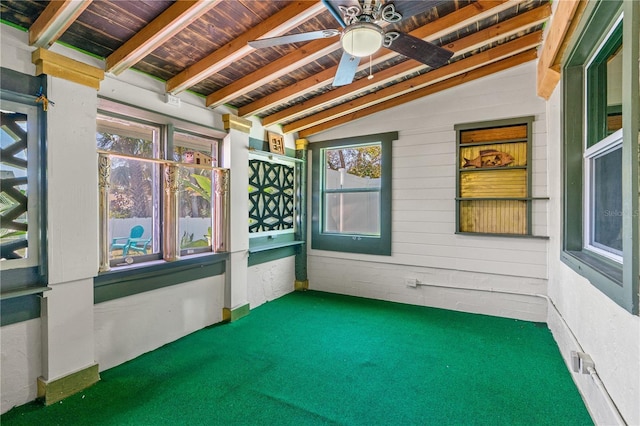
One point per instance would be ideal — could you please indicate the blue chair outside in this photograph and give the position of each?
(134, 242)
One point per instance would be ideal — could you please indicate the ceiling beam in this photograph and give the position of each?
(170, 22)
(564, 21)
(504, 64)
(285, 20)
(459, 19)
(54, 21)
(462, 66)
(292, 61)
(503, 30)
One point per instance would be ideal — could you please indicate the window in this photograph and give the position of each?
(159, 193)
(494, 177)
(352, 194)
(600, 161)
(196, 202)
(271, 196)
(21, 220)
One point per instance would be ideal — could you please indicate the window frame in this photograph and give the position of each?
(618, 281)
(158, 272)
(600, 149)
(375, 245)
(20, 288)
(529, 199)
(32, 271)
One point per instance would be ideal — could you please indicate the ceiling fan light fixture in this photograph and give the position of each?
(362, 39)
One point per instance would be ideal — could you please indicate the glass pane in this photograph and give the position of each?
(132, 203)
(606, 211)
(352, 213)
(194, 149)
(128, 138)
(353, 167)
(614, 91)
(15, 187)
(194, 222)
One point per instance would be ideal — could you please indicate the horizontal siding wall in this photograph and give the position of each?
(424, 242)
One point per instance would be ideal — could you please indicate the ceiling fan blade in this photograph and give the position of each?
(334, 7)
(346, 70)
(418, 49)
(408, 8)
(292, 38)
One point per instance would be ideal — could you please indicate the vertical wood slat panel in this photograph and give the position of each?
(493, 216)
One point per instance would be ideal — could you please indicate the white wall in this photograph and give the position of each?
(608, 333)
(19, 368)
(479, 270)
(131, 326)
(270, 280)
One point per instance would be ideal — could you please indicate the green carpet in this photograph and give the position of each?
(317, 358)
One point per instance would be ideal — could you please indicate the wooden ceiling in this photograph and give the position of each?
(201, 46)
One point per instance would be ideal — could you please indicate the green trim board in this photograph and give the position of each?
(127, 282)
(619, 281)
(376, 245)
(19, 309)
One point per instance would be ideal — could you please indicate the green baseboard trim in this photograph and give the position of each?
(230, 315)
(301, 285)
(57, 390)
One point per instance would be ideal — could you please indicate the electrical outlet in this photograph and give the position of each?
(411, 282)
(172, 100)
(581, 362)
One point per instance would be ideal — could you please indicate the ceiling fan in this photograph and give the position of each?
(362, 34)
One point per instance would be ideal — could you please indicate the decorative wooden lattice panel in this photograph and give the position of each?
(13, 187)
(494, 193)
(271, 196)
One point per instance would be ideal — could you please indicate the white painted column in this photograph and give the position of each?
(72, 230)
(236, 158)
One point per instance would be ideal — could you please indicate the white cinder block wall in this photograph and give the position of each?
(592, 322)
(460, 272)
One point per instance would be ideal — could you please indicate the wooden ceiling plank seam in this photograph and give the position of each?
(563, 23)
(283, 21)
(481, 59)
(460, 47)
(430, 31)
(294, 60)
(275, 70)
(173, 20)
(54, 20)
(484, 71)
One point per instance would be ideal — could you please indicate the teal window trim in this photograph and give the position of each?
(267, 246)
(131, 280)
(20, 287)
(618, 281)
(375, 245)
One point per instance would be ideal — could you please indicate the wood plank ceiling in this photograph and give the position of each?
(201, 46)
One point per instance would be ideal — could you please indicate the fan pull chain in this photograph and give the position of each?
(370, 67)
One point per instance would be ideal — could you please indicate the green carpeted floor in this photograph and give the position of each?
(316, 358)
